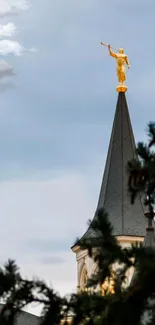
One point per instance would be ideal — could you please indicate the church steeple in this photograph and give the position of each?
(127, 219)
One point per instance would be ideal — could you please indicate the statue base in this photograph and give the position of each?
(121, 88)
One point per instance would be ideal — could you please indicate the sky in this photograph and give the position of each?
(57, 103)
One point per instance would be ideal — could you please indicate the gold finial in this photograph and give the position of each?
(121, 60)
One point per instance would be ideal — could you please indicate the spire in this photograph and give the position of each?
(149, 240)
(127, 219)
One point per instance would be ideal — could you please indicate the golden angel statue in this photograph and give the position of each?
(121, 60)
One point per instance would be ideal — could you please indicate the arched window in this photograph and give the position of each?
(83, 278)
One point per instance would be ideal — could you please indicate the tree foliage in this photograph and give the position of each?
(142, 171)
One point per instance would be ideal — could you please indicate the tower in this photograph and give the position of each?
(128, 220)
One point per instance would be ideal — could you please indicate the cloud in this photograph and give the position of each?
(7, 30)
(33, 49)
(47, 244)
(52, 260)
(11, 47)
(6, 70)
(7, 85)
(8, 7)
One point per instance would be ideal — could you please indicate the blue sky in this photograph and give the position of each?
(57, 90)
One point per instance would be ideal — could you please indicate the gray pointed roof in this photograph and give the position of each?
(114, 197)
(24, 318)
